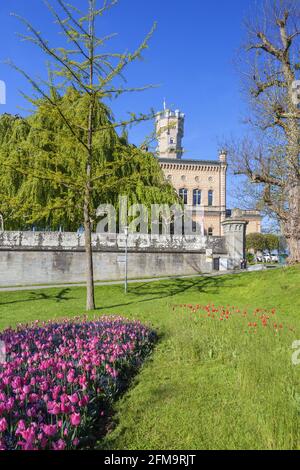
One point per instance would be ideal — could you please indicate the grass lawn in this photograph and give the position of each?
(209, 384)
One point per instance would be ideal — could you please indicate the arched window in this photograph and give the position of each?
(210, 232)
(210, 197)
(197, 197)
(171, 140)
(183, 193)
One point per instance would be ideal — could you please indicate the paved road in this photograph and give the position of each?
(112, 283)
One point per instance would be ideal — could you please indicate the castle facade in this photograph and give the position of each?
(197, 182)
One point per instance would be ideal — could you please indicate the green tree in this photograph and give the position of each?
(49, 163)
(43, 146)
(13, 129)
(262, 241)
(94, 73)
(255, 241)
(140, 178)
(271, 242)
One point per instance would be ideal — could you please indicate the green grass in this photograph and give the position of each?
(208, 385)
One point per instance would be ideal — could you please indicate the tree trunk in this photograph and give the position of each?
(294, 249)
(90, 294)
(292, 226)
(90, 290)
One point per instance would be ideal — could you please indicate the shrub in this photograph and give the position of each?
(250, 258)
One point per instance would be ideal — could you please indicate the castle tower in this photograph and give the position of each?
(170, 131)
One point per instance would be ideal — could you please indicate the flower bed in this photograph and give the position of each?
(60, 379)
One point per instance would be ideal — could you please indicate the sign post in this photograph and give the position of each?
(2, 92)
(126, 259)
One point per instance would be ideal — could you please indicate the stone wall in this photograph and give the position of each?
(47, 257)
(28, 258)
(46, 267)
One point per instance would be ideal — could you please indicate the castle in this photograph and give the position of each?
(198, 182)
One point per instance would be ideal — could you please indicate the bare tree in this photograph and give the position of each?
(270, 156)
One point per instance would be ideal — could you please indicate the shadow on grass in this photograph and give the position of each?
(162, 290)
(61, 296)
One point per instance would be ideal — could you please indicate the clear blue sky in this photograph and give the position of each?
(191, 56)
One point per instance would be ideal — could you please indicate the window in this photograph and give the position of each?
(210, 197)
(197, 197)
(183, 193)
(171, 140)
(210, 232)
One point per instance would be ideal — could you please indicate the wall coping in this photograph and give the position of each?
(72, 241)
(234, 222)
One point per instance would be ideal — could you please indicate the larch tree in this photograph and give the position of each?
(85, 65)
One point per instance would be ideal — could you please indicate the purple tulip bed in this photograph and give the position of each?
(60, 380)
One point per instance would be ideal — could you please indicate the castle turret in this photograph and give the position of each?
(170, 131)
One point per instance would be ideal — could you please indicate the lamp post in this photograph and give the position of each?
(1, 223)
(126, 258)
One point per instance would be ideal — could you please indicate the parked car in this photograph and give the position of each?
(275, 258)
(267, 259)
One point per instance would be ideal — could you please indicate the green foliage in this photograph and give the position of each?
(255, 241)
(261, 242)
(271, 242)
(250, 257)
(139, 177)
(42, 167)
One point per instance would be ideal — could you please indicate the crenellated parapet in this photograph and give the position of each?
(72, 241)
(190, 165)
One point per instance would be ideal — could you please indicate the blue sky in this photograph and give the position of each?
(191, 58)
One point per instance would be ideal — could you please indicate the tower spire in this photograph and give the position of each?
(165, 105)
